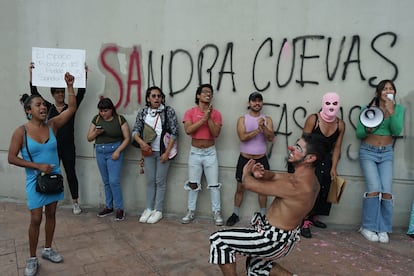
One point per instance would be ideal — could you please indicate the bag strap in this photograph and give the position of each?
(156, 121)
(25, 143)
(27, 148)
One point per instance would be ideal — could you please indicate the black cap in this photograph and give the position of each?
(253, 96)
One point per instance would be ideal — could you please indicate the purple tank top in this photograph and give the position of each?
(256, 145)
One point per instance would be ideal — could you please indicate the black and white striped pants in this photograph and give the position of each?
(262, 244)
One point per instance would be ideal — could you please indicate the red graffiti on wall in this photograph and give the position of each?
(134, 73)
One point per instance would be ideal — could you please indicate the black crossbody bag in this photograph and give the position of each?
(46, 183)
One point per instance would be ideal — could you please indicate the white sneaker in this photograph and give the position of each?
(218, 220)
(383, 237)
(155, 217)
(145, 215)
(369, 235)
(51, 255)
(188, 218)
(76, 209)
(31, 267)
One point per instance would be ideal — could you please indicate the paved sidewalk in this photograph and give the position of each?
(101, 246)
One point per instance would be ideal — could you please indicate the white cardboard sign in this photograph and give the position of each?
(51, 64)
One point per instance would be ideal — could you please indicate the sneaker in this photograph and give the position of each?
(369, 235)
(120, 215)
(51, 255)
(188, 218)
(232, 220)
(218, 220)
(305, 229)
(145, 215)
(76, 209)
(383, 237)
(105, 212)
(155, 217)
(31, 267)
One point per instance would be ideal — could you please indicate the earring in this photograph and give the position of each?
(29, 116)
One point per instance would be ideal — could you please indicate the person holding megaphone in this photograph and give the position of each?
(376, 155)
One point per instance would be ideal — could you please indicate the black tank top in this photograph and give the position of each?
(331, 139)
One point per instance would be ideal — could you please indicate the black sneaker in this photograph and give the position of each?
(105, 212)
(232, 220)
(120, 215)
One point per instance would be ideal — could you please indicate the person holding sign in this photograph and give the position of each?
(65, 135)
(39, 134)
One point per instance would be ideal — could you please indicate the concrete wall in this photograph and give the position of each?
(292, 51)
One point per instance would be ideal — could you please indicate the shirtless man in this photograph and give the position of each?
(275, 235)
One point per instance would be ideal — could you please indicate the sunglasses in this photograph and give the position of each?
(156, 96)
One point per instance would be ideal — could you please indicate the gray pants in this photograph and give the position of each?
(156, 174)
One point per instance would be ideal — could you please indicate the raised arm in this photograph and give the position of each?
(62, 118)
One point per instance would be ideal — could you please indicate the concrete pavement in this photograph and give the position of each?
(102, 246)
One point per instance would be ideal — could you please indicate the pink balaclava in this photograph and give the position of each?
(330, 106)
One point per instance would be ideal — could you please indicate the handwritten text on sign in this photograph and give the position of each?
(51, 64)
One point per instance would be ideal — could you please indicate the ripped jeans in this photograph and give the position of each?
(199, 161)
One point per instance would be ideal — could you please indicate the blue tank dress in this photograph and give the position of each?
(41, 153)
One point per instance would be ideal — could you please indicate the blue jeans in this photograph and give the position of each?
(156, 174)
(199, 161)
(110, 172)
(377, 164)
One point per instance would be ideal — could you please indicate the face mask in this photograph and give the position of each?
(329, 109)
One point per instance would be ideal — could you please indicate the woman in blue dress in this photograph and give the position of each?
(38, 135)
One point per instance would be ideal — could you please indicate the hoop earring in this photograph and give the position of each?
(29, 116)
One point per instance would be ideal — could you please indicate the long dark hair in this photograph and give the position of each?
(380, 86)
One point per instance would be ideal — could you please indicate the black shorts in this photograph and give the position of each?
(242, 161)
